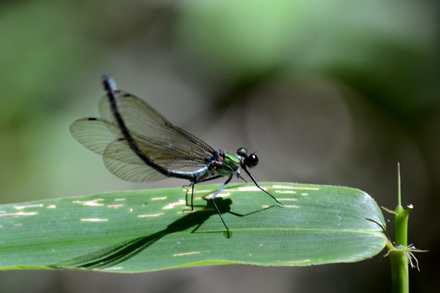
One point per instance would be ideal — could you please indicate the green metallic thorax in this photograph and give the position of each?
(230, 164)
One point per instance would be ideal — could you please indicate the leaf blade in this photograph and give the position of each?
(139, 231)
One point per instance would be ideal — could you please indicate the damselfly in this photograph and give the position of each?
(139, 144)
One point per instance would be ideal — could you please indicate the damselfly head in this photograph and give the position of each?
(251, 160)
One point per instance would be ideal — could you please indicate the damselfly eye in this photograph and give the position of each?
(242, 152)
(251, 161)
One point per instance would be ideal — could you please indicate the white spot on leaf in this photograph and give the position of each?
(115, 206)
(159, 198)
(18, 215)
(294, 187)
(113, 269)
(94, 220)
(29, 206)
(221, 194)
(186, 253)
(285, 191)
(249, 188)
(150, 215)
(291, 206)
(288, 199)
(90, 203)
(173, 204)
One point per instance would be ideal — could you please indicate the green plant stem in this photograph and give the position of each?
(401, 226)
(399, 270)
(398, 253)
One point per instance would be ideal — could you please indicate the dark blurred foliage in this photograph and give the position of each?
(326, 92)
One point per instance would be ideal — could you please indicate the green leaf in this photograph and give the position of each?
(138, 231)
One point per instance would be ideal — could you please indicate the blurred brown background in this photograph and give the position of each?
(327, 92)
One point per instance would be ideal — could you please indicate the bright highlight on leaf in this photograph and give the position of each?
(138, 231)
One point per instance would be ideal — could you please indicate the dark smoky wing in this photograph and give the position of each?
(146, 122)
(105, 138)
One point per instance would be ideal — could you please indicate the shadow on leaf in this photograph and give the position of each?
(116, 254)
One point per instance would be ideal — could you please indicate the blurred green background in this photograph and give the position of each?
(327, 92)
